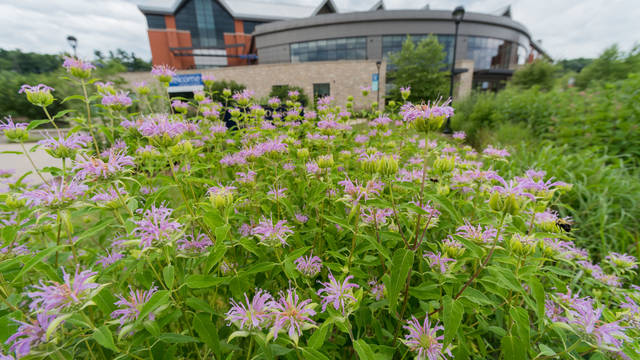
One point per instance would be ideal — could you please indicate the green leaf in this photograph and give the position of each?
(318, 337)
(476, 296)
(35, 123)
(218, 252)
(158, 299)
(546, 351)
(364, 350)
(198, 304)
(521, 317)
(238, 333)
(198, 281)
(103, 336)
(402, 263)
(537, 290)
(207, 332)
(62, 113)
(53, 325)
(36, 259)
(168, 275)
(72, 97)
(452, 316)
(258, 268)
(509, 348)
(177, 338)
(313, 354)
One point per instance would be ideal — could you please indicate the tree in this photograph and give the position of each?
(575, 65)
(420, 67)
(540, 72)
(612, 65)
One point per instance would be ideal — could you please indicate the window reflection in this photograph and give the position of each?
(488, 53)
(207, 22)
(393, 43)
(155, 21)
(354, 48)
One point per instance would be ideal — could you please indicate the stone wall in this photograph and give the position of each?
(345, 77)
(464, 81)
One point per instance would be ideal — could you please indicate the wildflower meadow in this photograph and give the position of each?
(178, 228)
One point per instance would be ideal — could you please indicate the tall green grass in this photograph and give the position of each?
(605, 200)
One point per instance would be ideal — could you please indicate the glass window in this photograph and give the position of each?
(320, 90)
(393, 43)
(250, 26)
(155, 21)
(206, 20)
(488, 53)
(522, 55)
(331, 49)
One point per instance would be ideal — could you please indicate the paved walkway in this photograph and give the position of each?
(20, 163)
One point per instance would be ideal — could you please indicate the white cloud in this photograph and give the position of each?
(567, 28)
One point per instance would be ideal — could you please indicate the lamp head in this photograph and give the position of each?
(458, 14)
(72, 41)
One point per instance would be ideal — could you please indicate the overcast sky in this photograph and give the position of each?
(567, 28)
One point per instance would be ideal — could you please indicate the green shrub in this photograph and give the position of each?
(282, 93)
(219, 86)
(538, 73)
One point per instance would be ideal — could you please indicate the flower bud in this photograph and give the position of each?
(226, 92)
(387, 165)
(507, 203)
(443, 190)
(522, 245)
(444, 165)
(325, 161)
(303, 153)
(39, 95)
(13, 202)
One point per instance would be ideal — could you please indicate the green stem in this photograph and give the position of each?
(250, 348)
(52, 122)
(33, 164)
(88, 106)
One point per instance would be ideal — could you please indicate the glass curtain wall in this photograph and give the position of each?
(354, 48)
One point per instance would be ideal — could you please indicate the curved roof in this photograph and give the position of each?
(248, 9)
(388, 15)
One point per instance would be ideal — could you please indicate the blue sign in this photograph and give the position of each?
(374, 82)
(186, 80)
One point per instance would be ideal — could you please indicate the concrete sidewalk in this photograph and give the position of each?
(20, 163)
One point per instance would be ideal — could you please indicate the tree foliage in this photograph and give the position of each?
(420, 67)
(612, 65)
(540, 73)
(282, 93)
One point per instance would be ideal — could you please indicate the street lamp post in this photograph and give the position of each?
(73, 42)
(457, 15)
(378, 64)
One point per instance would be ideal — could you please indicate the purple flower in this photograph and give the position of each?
(130, 307)
(109, 259)
(155, 226)
(437, 260)
(293, 93)
(312, 168)
(30, 334)
(179, 106)
(58, 296)
(73, 63)
(246, 178)
(301, 218)
(74, 141)
(622, 261)
(380, 121)
(40, 88)
(272, 234)
(118, 101)
(497, 153)
(108, 195)
(55, 194)
(424, 340)
(355, 191)
(96, 167)
(227, 267)
(459, 135)
(309, 265)
(9, 125)
(554, 311)
(164, 73)
(432, 213)
(15, 249)
(377, 289)
(277, 192)
(587, 320)
(254, 314)
(291, 314)
(373, 216)
(194, 245)
(477, 234)
(337, 293)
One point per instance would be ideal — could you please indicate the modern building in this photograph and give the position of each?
(204, 34)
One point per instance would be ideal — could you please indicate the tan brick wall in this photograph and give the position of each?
(345, 77)
(464, 81)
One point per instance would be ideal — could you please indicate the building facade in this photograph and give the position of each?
(200, 34)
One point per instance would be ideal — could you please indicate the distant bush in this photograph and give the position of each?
(219, 86)
(538, 73)
(612, 65)
(282, 93)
